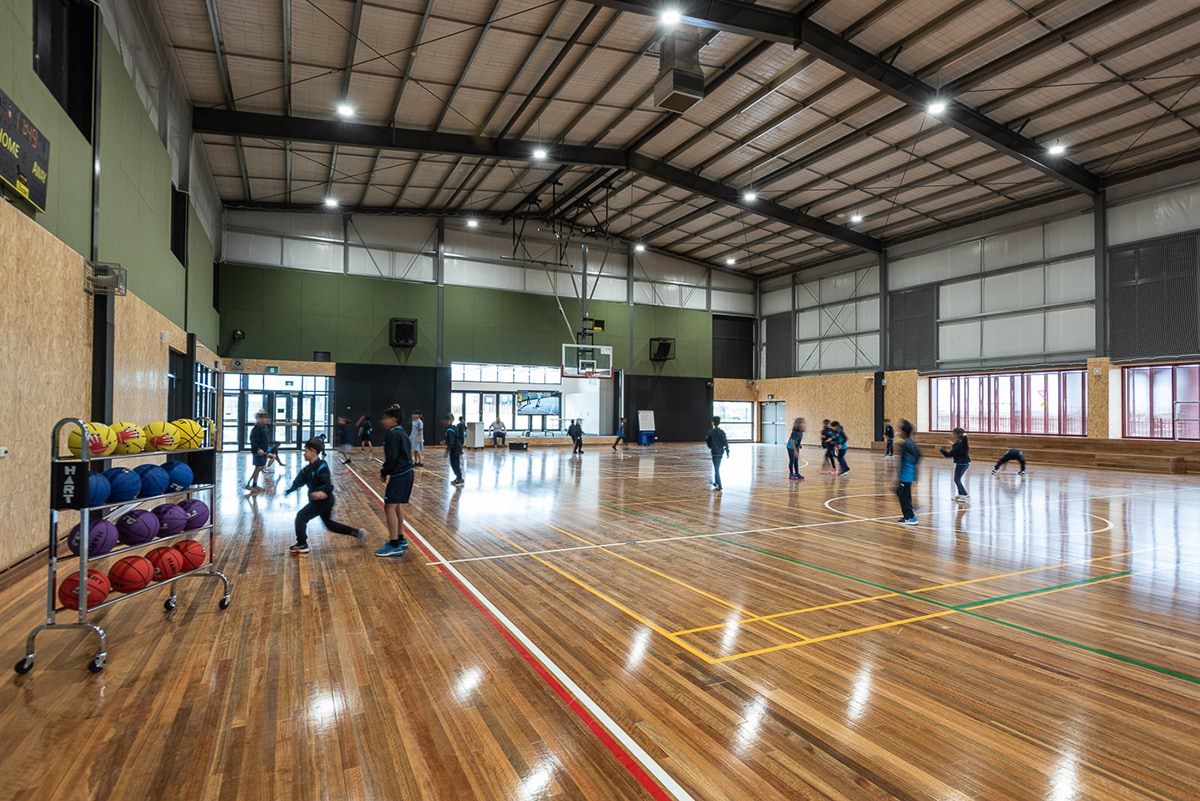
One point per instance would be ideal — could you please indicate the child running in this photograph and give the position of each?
(417, 438)
(793, 449)
(960, 452)
(260, 443)
(827, 444)
(718, 446)
(620, 435)
(840, 444)
(910, 455)
(454, 449)
(889, 436)
(397, 471)
(1009, 455)
(319, 480)
(365, 430)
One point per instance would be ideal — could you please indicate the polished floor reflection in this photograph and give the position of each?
(607, 627)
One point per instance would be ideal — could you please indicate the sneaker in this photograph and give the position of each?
(249, 486)
(799, 477)
(458, 483)
(845, 472)
(907, 521)
(717, 490)
(995, 472)
(392, 550)
(297, 549)
(268, 470)
(1021, 473)
(358, 533)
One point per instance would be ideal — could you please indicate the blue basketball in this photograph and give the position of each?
(125, 484)
(171, 519)
(137, 527)
(98, 489)
(101, 539)
(154, 481)
(180, 476)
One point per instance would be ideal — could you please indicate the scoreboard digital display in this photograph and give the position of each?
(24, 154)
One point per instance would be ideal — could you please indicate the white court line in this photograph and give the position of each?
(628, 743)
(827, 523)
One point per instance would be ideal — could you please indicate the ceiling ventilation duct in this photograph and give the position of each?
(680, 83)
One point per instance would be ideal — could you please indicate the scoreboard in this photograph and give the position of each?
(24, 154)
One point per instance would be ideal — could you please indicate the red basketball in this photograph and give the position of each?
(192, 553)
(131, 574)
(167, 562)
(97, 589)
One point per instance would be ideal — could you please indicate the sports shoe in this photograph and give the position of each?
(457, 483)
(907, 521)
(845, 472)
(1021, 473)
(393, 550)
(268, 470)
(717, 490)
(299, 549)
(995, 472)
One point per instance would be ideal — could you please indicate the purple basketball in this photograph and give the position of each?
(101, 539)
(137, 527)
(197, 513)
(154, 480)
(125, 484)
(171, 519)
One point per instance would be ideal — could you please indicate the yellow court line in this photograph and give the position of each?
(899, 595)
(708, 659)
(681, 583)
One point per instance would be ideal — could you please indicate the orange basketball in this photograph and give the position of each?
(131, 574)
(192, 553)
(167, 562)
(97, 589)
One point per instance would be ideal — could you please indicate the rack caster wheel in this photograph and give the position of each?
(97, 664)
(24, 666)
(223, 603)
(169, 604)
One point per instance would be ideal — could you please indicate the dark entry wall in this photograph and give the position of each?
(682, 406)
(370, 388)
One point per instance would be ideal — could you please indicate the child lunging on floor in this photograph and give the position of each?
(960, 452)
(1009, 455)
(793, 449)
(910, 455)
(319, 480)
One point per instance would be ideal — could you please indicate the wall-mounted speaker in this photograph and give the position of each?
(402, 332)
(662, 349)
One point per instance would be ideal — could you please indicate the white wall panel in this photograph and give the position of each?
(838, 287)
(808, 324)
(838, 354)
(693, 298)
(1013, 336)
(722, 280)
(373, 263)
(868, 281)
(732, 302)
(409, 233)
(1072, 235)
(959, 341)
(776, 302)
(1014, 247)
(808, 294)
(304, 255)
(1071, 330)
(952, 262)
(1158, 215)
(462, 272)
(664, 268)
(295, 223)
(1069, 281)
(808, 357)
(540, 282)
(838, 320)
(868, 350)
(253, 249)
(960, 299)
(868, 315)
(1023, 289)
(613, 289)
(643, 293)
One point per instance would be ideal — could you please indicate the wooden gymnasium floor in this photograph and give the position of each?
(606, 628)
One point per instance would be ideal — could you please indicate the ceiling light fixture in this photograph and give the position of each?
(472, 222)
(937, 107)
(540, 154)
(731, 261)
(331, 203)
(857, 218)
(1057, 149)
(345, 110)
(639, 247)
(749, 196)
(671, 16)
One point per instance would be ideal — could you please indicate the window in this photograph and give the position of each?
(179, 225)
(737, 418)
(1162, 402)
(64, 39)
(1050, 403)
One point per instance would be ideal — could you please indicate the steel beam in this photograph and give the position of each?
(214, 26)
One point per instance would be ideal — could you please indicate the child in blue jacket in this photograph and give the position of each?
(793, 449)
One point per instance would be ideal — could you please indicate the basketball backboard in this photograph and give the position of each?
(587, 361)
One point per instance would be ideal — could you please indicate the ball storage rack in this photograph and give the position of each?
(69, 490)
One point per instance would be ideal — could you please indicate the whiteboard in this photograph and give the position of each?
(646, 421)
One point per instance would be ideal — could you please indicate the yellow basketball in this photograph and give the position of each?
(130, 438)
(161, 436)
(191, 435)
(100, 438)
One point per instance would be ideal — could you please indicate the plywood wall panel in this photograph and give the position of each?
(848, 398)
(900, 396)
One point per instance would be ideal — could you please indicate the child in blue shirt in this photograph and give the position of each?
(793, 449)
(910, 454)
(317, 478)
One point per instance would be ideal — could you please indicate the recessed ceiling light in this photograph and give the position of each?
(1057, 149)
(731, 261)
(937, 107)
(749, 196)
(472, 222)
(331, 203)
(856, 218)
(540, 153)
(345, 110)
(671, 16)
(639, 247)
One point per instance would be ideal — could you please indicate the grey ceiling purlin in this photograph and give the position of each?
(286, 32)
(214, 26)
(347, 72)
(409, 66)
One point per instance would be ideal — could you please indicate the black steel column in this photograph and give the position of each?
(1100, 221)
(103, 305)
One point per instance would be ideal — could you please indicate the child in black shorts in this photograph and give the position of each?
(319, 480)
(397, 471)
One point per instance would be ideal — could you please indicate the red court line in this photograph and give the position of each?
(615, 748)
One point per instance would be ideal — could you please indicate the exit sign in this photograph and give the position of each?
(272, 369)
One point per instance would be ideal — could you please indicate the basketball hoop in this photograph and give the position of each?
(586, 361)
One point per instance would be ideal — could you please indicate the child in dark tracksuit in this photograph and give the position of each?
(454, 449)
(827, 444)
(397, 471)
(718, 446)
(260, 443)
(793, 450)
(319, 480)
(889, 436)
(960, 452)
(1009, 455)
(910, 455)
(838, 437)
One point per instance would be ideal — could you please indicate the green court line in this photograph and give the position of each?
(1042, 590)
(1129, 660)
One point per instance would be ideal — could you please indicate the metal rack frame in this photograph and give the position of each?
(69, 480)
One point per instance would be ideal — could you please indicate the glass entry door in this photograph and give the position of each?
(285, 418)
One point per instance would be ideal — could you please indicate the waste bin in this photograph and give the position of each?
(645, 438)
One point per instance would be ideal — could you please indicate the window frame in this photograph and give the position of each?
(980, 392)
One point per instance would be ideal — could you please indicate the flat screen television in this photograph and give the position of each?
(548, 403)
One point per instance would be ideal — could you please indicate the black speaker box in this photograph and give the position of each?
(402, 333)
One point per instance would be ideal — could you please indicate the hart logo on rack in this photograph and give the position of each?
(64, 487)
